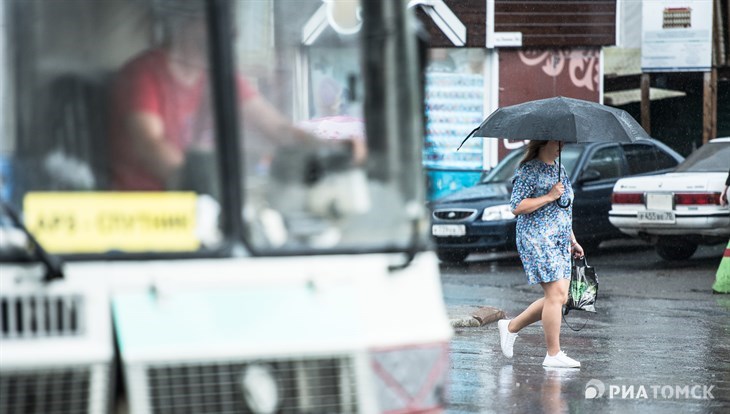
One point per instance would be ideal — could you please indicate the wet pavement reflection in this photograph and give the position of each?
(660, 341)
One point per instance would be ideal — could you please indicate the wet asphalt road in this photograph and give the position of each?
(659, 343)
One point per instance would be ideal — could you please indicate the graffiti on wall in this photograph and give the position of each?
(582, 65)
(530, 74)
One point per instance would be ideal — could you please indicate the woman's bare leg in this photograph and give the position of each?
(532, 314)
(556, 294)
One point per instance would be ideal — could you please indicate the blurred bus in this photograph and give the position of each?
(215, 206)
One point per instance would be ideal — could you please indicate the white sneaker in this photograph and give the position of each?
(506, 338)
(560, 360)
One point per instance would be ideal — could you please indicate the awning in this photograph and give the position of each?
(627, 96)
(619, 61)
(626, 62)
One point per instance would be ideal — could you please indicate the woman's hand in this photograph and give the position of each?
(557, 191)
(528, 205)
(577, 250)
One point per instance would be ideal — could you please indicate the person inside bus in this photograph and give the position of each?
(161, 111)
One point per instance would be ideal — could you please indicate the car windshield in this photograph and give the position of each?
(505, 170)
(711, 157)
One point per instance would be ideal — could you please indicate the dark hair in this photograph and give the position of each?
(533, 150)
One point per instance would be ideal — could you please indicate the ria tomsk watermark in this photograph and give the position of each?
(597, 389)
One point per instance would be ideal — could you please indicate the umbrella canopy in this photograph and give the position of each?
(561, 119)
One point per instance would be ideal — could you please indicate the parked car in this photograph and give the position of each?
(478, 218)
(680, 210)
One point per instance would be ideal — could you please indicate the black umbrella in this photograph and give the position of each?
(560, 119)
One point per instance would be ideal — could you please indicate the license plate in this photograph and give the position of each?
(656, 217)
(448, 230)
(659, 201)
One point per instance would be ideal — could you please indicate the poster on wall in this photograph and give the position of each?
(529, 74)
(454, 105)
(676, 35)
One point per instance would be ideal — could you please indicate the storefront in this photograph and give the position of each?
(488, 54)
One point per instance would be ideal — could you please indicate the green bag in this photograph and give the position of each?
(722, 277)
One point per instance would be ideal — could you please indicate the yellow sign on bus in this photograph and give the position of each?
(96, 222)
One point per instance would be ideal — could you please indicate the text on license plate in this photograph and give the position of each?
(448, 230)
(656, 217)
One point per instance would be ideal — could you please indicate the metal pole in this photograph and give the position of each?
(225, 110)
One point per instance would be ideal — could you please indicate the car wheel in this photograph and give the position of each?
(452, 256)
(669, 248)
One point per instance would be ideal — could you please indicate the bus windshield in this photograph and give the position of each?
(115, 139)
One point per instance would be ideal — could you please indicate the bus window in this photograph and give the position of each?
(306, 58)
(114, 123)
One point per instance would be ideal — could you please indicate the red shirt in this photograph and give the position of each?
(145, 85)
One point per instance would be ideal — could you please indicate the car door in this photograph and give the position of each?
(604, 165)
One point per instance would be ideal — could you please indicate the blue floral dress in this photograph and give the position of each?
(543, 236)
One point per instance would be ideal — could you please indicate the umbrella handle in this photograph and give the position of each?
(566, 205)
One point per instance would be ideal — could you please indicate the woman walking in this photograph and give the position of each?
(545, 241)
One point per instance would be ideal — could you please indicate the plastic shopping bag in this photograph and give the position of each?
(583, 289)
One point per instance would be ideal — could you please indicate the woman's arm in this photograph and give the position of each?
(576, 248)
(528, 205)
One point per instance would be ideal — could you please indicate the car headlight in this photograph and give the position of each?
(501, 212)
